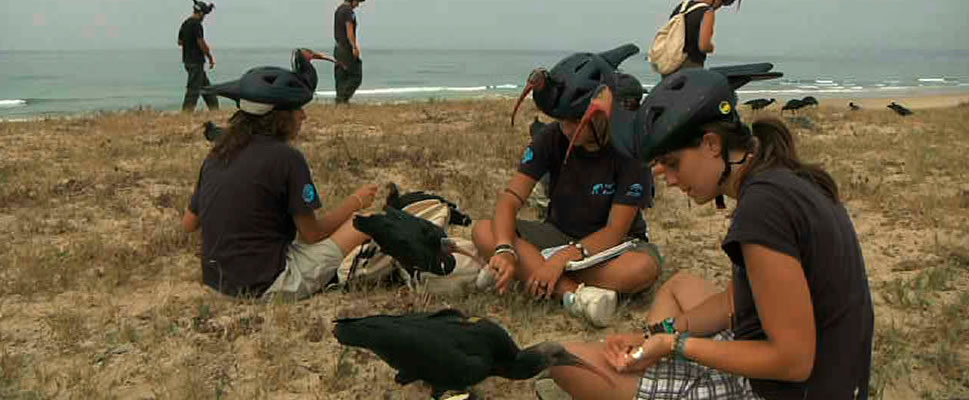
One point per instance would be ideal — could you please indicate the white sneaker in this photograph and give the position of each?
(486, 278)
(596, 305)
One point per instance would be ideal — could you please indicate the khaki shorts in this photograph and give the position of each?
(309, 268)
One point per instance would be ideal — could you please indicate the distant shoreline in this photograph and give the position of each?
(913, 99)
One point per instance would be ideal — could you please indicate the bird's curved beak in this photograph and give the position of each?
(450, 246)
(557, 355)
(536, 80)
(599, 107)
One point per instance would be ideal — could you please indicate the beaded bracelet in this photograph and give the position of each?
(680, 345)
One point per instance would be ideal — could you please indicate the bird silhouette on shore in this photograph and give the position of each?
(451, 351)
(793, 105)
(853, 106)
(899, 109)
(809, 101)
(757, 104)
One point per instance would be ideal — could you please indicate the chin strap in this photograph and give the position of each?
(727, 166)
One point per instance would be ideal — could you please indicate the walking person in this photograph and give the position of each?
(348, 71)
(195, 50)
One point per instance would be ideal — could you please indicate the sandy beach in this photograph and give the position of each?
(101, 294)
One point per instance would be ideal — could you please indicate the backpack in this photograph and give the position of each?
(367, 264)
(667, 53)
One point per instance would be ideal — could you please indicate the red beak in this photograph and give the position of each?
(536, 80)
(601, 104)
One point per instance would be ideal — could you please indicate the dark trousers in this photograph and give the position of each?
(193, 89)
(347, 78)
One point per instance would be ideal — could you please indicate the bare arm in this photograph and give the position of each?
(709, 317)
(508, 205)
(783, 303)
(208, 53)
(190, 221)
(352, 36)
(706, 30)
(312, 230)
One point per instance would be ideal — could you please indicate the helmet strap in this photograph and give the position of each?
(727, 167)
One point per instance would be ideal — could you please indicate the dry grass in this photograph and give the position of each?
(100, 293)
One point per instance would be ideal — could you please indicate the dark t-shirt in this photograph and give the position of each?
(189, 35)
(580, 201)
(344, 13)
(694, 20)
(786, 213)
(246, 210)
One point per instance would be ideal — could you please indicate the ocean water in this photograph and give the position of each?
(39, 83)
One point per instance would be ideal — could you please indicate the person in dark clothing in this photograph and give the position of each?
(700, 27)
(348, 71)
(596, 196)
(796, 320)
(255, 198)
(195, 50)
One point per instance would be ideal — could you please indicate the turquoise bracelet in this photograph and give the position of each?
(680, 349)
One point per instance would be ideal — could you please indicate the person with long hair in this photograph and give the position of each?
(795, 320)
(596, 196)
(255, 198)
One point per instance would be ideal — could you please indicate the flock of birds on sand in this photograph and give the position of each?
(793, 105)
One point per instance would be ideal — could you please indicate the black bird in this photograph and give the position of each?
(793, 105)
(757, 104)
(809, 101)
(416, 243)
(853, 106)
(399, 201)
(451, 351)
(899, 109)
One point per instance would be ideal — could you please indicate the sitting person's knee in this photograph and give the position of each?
(641, 273)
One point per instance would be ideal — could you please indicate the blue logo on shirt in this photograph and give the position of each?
(605, 189)
(528, 156)
(636, 190)
(309, 193)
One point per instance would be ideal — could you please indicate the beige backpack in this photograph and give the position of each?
(366, 264)
(667, 54)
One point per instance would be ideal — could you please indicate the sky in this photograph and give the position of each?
(759, 27)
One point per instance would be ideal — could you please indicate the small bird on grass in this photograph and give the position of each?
(757, 104)
(899, 109)
(450, 351)
(809, 101)
(793, 105)
(853, 106)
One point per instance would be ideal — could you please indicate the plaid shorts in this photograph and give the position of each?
(685, 379)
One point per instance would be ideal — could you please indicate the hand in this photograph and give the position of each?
(504, 265)
(365, 195)
(621, 351)
(356, 52)
(212, 63)
(542, 282)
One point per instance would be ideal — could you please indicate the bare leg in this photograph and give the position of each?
(582, 384)
(347, 237)
(680, 293)
(530, 257)
(629, 273)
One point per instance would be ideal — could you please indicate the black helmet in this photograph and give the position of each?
(566, 90)
(273, 87)
(201, 7)
(673, 112)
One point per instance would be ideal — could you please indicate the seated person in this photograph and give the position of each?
(796, 320)
(255, 192)
(596, 196)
